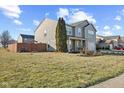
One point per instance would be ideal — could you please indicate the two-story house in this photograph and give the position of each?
(79, 35)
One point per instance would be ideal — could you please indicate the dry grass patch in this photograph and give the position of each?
(56, 69)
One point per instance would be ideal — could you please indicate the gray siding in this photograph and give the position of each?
(90, 38)
(80, 25)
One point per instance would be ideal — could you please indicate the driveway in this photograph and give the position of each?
(117, 82)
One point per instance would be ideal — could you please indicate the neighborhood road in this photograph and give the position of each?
(117, 82)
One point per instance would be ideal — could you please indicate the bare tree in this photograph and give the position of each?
(5, 37)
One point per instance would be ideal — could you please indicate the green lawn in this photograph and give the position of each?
(56, 69)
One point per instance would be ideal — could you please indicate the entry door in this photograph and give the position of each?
(73, 45)
(77, 45)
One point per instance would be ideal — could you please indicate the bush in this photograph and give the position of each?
(90, 53)
(97, 54)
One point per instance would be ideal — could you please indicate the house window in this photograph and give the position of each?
(69, 30)
(90, 32)
(79, 32)
(25, 39)
(45, 32)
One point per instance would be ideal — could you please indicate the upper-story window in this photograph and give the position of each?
(25, 39)
(45, 32)
(28, 40)
(69, 30)
(79, 32)
(90, 32)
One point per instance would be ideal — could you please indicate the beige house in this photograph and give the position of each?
(25, 38)
(79, 35)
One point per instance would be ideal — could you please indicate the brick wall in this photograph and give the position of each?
(26, 47)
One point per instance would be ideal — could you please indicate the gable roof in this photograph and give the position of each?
(108, 37)
(99, 38)
(111, 37)
(86, 23)
(27, 36)
(43, 21)
(76, 23)
(91, 25)
(108, 41)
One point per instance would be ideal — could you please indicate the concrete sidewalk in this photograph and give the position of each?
(117, 82)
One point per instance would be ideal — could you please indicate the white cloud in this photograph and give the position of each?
(106, 27)
(74, 9)
(81, 15)
(17, 22)
(36, 22)
(63, 12)
(47, 14)
(107, 33)
(75, 15)
(11, 11)
(118, 18)
(117, 27)
(122, 12)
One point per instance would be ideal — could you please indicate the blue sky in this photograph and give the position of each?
(108, 20)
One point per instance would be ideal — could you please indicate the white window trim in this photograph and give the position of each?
(90, 32)
(79, 32)
(69, 30)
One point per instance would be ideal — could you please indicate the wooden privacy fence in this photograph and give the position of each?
(27, 47)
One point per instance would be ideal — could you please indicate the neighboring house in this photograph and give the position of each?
(12, 41)
(79, 35)
(0, 45)
(116, 40)
(26, 43)
(111, 41)
(25, 38)
(98, 38)
(121, 42)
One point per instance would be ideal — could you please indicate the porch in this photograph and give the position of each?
(75, 44)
